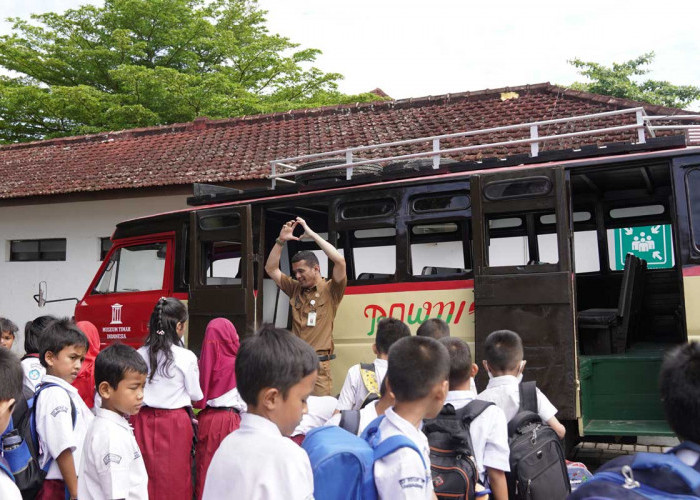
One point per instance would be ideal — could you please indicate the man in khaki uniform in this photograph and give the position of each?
(314, 300)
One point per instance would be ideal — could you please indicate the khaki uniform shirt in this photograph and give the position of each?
(327, 296)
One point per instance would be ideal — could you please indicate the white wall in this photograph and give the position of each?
(82, 224)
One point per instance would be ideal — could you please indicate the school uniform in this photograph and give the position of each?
(56, 432)
(488, 432)
(505, 393)
(402, 474)
(33, 373)
(163, 427)
(257, 462)
(8, 488)
(318, 410)
(367, 415)
(111, 466)
(354, 392)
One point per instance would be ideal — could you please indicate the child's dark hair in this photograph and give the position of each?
(33, 331)
(435, 328)
(503, 350)
(162, 333)
(11, 375)
(679, 384)
(389, 330)
(416, 365)
(58, 335)
(460, 360)
(114, 362)
(272, 358)
(306, 255)
(8, 326)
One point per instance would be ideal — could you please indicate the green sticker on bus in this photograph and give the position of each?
(652, 243)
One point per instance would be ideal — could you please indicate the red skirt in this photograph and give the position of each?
(52, 489)
(165, 440)
(214, 425)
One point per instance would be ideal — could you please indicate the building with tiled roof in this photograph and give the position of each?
(62, 197)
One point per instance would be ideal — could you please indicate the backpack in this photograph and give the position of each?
(350, 421)
(537, 462)
(644, 475)
(343, 464)
(452, 463)
(368, 374)
(23, 458)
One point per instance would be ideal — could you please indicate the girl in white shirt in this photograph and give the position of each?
(163, 428)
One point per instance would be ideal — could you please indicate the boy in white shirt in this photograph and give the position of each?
(417, 375)
(503, 350)
(62, 418)
(275, 373)
(112, 466)
(367, 414)
(488, 431)
(354, 393)
(10, 390)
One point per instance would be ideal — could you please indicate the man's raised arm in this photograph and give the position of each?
(333, 254)
(272, 266)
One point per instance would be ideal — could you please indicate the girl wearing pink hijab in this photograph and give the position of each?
(221, 405)
(85, 381)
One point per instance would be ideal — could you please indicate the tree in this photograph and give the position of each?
(617, 81)
(135, 63)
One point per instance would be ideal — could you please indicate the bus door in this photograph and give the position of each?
(524, 278)
(221, 270)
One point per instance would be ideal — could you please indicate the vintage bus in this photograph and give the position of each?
(537, 243)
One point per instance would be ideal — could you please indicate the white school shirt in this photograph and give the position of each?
(230, 399)
(489, 433)
(504, 391)
(54, 424)
(402, 475)
(256, 462)
(318, 410)
(8, 488)
(112, 466)
(179, 386)
(354, 391)
(367, 414)
(33, 372)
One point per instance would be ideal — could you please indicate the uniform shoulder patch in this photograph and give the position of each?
(412, 482)
(112, 458)
(58, 409)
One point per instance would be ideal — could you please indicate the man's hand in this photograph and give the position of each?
(287, 232)
(308, 232)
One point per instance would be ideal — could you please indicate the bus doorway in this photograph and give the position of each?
(524, 278)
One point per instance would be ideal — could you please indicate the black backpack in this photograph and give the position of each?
(452, 464)
(350, 421)
(537, 462)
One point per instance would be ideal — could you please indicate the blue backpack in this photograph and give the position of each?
(645, 476)
(343, 463)
(23, 454)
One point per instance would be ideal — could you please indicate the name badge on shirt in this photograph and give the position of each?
(311, 320)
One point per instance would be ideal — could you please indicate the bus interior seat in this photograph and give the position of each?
(440, 271)
(606, 331)
(373, 276)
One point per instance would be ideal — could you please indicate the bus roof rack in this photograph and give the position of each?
(288, 170)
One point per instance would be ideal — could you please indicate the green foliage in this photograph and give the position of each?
(617, 81)
(136, 63)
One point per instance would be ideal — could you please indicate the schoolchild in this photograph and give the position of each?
(319, 410)
(417, 375)
(435, 328)
(10, 391)
(275, 372)
(371, 411)
(222, 404)
(488, 431)
(503, 350)
(85, 381)
(63, 348)
(33, 370)
(112, 466)
(7, 333)
(163, 427)
(354, 391)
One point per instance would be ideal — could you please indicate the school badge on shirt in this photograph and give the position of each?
(412, 482)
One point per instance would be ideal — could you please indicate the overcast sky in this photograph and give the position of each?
(411, 48)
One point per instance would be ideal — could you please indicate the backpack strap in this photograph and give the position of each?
(350, 420)
(473, 409)
(669, 461)
(369, 377)
(528, 396)
(393, 443)
(32, 416)
(687, 445)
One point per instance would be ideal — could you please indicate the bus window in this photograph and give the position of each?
(134, 269)
(374, 253)
(222, 262)
(509, 244)
(692, 182)
(437, 248)
(586, 259)
(653, 243)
